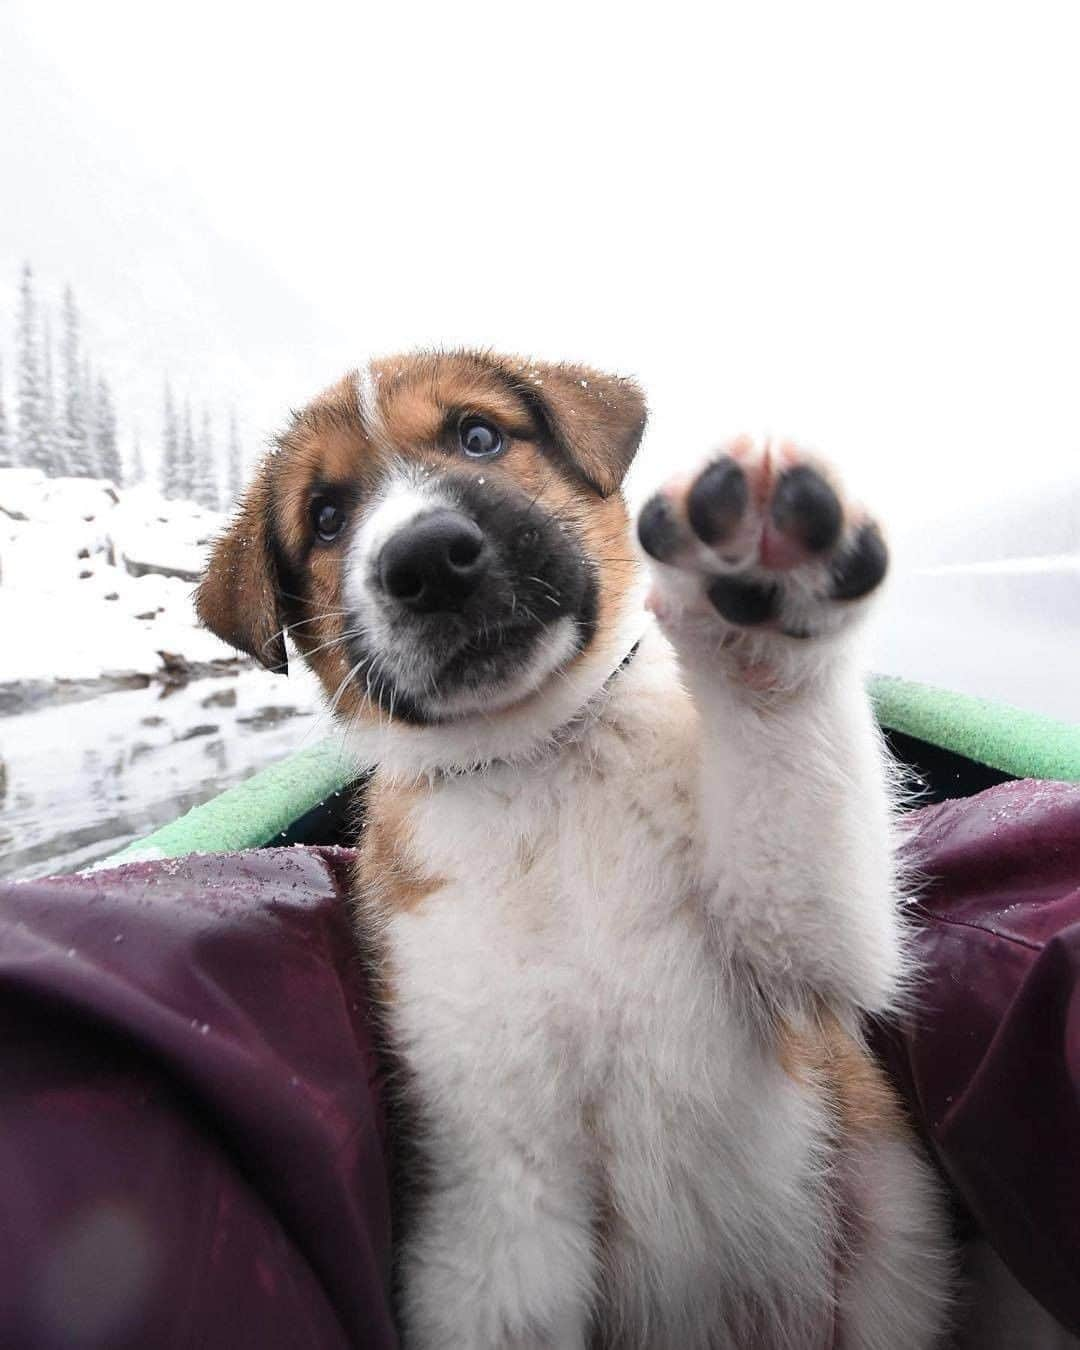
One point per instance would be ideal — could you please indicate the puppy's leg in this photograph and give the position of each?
(896, 1290)
(894, 1270)
(501, 1256)
(760, 571)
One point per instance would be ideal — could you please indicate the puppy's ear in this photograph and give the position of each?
(596, 421)
(238, 597)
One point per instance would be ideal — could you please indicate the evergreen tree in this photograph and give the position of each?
(234, 468)
(51, 431)
(187, 455)
(207, 492)
(171, 485)
(138, 467)
(92, 456)
(74, 421)
(7, 449)
(31, 447)
(105, 441)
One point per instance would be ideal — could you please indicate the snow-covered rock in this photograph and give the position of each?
(154, 536)
(96, 581)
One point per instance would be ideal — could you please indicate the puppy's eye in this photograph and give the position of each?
(327, 518)
(479, 438)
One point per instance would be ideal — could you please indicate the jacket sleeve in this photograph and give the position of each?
(989, 1061)
(191, 1147)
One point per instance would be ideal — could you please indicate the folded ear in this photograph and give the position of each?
(596, 421)
(238, 596)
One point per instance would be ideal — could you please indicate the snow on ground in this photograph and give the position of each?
(98, 743)
(70, 606)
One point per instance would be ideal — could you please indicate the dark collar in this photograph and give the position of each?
(623, 663)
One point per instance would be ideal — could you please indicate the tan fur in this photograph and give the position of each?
(238, 598)
(388, 875)
(823, 1054)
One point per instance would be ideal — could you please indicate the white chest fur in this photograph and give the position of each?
(580, 1055)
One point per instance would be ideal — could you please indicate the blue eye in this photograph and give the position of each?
(479, 438)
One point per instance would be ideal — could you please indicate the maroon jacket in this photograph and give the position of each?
(191, 1147)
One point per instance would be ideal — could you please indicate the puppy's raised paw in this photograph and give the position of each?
(760, 540)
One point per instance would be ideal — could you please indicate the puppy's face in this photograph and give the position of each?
(441, 535)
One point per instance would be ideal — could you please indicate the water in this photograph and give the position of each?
(1010, 636)
(80, 780)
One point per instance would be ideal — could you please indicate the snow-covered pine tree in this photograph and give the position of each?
(92, 457)
(30, 441)
(76, 431)
(105, 442)
(138, 466)
(170, 446)
(51, 430)
(187, 455)
(7, 448)
(207, 492)
(234, 468)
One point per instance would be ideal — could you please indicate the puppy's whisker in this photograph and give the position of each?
(541, 582)
(341, 687)
(315, 618)
(338, 641)
(299, 599)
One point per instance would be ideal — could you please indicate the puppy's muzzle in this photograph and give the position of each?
(434, 564)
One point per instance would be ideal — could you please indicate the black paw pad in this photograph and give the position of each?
(744, 602)
(717, 501)
(805, 506)
(658, 529)
(861, 567)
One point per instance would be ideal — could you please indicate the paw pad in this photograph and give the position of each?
(744, 601)
(805, 507)
(858, 569)
(717, 502)
(658, 528)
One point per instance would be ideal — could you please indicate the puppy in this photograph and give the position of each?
(628, 881)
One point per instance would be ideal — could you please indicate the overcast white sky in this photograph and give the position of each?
(856, 223)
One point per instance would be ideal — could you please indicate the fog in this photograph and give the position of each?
(851, 225)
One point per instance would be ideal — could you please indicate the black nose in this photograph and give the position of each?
(434, 564)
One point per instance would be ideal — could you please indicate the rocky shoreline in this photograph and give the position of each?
(19, 696)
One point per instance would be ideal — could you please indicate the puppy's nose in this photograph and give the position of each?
(436, 563)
